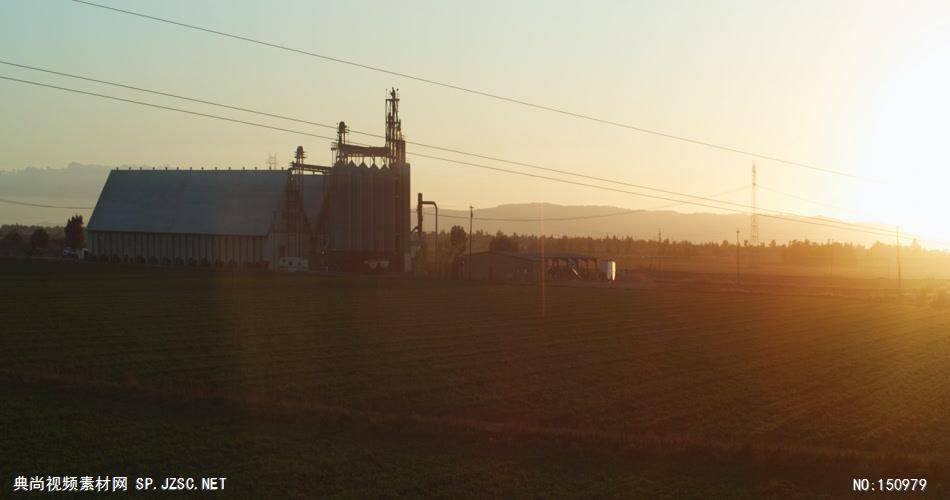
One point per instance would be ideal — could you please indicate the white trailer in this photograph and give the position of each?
(292, 264)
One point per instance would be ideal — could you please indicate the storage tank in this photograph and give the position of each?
(403, 207)
(389, 215)
(337, 212)
(379, 216)
(366, 202)
(343, 194)
(356, 200)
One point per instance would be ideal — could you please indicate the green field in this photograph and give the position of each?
(299, 385)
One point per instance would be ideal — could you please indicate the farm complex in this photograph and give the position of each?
(649, 250)
(351, 216)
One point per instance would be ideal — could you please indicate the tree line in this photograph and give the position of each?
(41, 241)
(627, 249)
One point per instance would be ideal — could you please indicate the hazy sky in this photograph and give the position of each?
(860, 87)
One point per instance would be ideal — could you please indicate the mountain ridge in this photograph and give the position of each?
(79, 185)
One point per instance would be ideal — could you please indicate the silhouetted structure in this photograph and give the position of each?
(346, 217)
(369, 205)
(196, 217)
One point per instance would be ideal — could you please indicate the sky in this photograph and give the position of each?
(854, 86)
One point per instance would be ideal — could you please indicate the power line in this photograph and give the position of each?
(582, 217)
(14, 202)
(178, 96)
(708, 196)
(167, 108)
(477, 92)
(334, 127)
(808, 200)
(554, 179)
(547, 219)
(788, 217)
(451, 150)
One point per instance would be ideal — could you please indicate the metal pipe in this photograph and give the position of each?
(422, 202)
(437, 255)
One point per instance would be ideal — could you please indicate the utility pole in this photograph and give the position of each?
(752, 255)
(471, 217)
(659, 252)
(419, 220)
(754, 236)
(831, 247)
(899, 277)
(737, 256)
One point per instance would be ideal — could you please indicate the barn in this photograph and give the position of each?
(353, 215)
(197, 217)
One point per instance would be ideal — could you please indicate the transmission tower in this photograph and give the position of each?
(754, 230)
(271, 161)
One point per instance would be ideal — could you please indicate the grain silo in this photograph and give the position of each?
(370, 203)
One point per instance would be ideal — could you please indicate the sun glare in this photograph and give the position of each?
(906, 150)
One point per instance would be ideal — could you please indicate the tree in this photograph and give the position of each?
(12, 242)
(503, 243)
(75, 234)
(39, 241)
(458, 239)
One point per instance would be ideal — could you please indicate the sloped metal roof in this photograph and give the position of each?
(224, 202)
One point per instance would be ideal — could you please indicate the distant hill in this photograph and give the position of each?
(599, 221)
(78, 185)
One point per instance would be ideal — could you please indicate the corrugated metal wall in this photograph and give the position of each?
(370, 212)
(174, 247)
(389, 200)
(366, 205)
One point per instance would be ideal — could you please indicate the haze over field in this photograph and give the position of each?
(78, 185)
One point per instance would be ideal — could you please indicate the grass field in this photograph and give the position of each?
(298, 385)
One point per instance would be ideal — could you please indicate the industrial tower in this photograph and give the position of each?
(370, 203)
(392, 154)
(293, 214)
